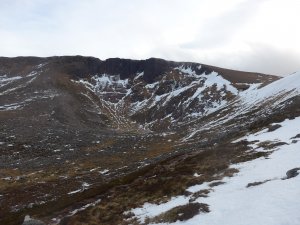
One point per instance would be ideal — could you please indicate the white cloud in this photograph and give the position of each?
(223, 33)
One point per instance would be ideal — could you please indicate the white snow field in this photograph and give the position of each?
(274, 202)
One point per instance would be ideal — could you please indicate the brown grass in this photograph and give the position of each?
(160, 182)
(180, 213)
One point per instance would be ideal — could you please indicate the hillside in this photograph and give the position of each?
(151, 141)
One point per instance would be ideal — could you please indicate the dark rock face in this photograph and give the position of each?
(76, 66)
(19, 64)
(155, 67)
(126, 68)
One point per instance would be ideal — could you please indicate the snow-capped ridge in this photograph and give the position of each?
(288, 86)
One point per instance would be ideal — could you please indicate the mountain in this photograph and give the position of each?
(79, 135)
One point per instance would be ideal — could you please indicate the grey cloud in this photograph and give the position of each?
(136, 29)
(268, 59)
(221, 29)
(261, 58)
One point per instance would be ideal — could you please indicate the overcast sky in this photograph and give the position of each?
(252, 35)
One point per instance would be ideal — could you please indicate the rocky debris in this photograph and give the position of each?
(274, 127)
(199, 194)
(292, 173)
(217, 183)
(30, 221)
(297, 136)
(257, 183)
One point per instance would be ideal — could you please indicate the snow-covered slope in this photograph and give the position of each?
(251, 105)
(283, 89)
(178, 95)
(264, 191)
